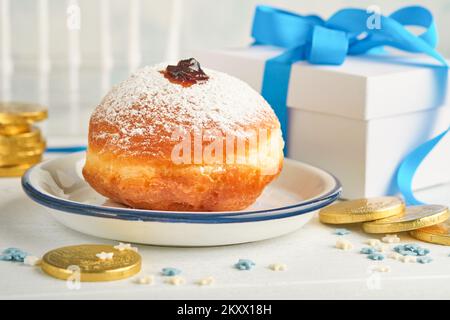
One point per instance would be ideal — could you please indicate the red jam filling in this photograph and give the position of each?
(186, 73)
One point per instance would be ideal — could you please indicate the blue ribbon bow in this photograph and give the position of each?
(347, 32)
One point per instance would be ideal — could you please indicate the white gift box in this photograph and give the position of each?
(360, 119)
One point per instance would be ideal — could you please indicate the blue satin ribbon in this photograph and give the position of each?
(347, 32)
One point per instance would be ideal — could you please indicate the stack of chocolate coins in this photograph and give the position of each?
(390, 215)
(21, 143)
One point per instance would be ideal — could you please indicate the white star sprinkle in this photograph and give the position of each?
(344, 244)
(407, 259)
(391, 238)
(278, 267)
(105, 255)
(373, 242)
(395, 256)
(176, 280)
(145, 280)
(122, 246)
(380, 248)
(206, 281)
(125, 246)
(382, 269)
(31, 261)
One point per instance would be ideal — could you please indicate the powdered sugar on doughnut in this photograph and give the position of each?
(147, 104)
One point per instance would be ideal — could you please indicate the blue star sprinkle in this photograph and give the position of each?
(411, 249)
(341, 231)
(424, 260)
(169, 272)
(13, 254)
(375, 256)
(244, 264)
(367, 250)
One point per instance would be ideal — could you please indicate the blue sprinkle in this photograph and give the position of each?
(341, 231)
(367, 250)
(407, 253)
(244, 264)
(424, 260)
(375, 256)
(5, 257)
(168, 272)
(411, 250)
(13, 254)
(422, 251)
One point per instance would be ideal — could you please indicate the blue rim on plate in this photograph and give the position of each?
(170, 216)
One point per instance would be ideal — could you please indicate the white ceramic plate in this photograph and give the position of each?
(285, 205)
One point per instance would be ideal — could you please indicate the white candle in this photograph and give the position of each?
(44, 59)
(74, 99)
(6, 86)
(105, 46)
(43, 95)
(105, 81)
(74, 60)
(134, 50)
(43, 88)
(6, 62)
(73, 27)
(172, 50)
(105, 34)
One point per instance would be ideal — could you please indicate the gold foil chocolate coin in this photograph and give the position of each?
(414, 217)
(19, 159)
(32, 137)
(439, 233)
(22, 150)
(14, 171)
(19, 113)
(14, 129)
(81, 262)
(361, 210)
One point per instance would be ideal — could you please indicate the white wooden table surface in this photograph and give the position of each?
(315, 268)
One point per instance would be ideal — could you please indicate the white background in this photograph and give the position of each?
(201, 24)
